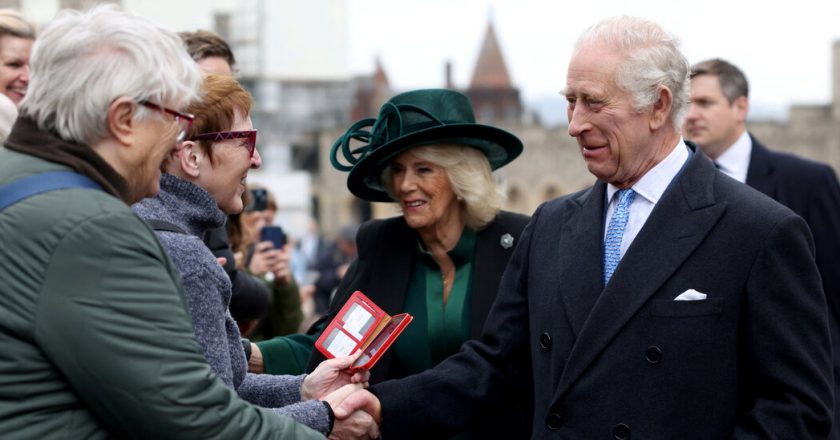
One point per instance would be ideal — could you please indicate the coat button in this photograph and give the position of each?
(621, 432)
(545, 341)
(554, 421)
(653, 355)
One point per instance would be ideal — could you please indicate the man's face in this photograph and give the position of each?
(712, 122)
(615, 140)
(156, 139)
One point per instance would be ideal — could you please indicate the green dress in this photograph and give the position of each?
(438, 329)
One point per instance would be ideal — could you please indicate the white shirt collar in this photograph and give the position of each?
(654, 183)
(735, 161)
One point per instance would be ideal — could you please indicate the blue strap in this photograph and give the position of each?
(38, 183)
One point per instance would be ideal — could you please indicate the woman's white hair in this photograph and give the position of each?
(652, 59)
(472, 182)
(83, 61)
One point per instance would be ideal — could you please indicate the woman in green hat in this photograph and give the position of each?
(442, 260)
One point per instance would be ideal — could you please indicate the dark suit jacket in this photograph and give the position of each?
(626, 359)
(811, 190)
(383, 271)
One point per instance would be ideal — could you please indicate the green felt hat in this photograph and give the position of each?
(411, 119)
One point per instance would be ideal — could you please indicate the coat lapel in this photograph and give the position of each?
(681, 220)
(489, 263)
(391, 273)
(579, 257)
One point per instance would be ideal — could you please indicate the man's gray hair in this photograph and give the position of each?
(83, 61)
(652, 59)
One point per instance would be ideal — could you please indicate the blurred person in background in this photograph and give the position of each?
(272, 265)
(248, 303)
(210, 51)
(332, 265)
(310, 248)
(203, 181)
(95, 341)
(443, 258)
(16, 38)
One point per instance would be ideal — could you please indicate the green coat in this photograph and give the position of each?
(95, 341)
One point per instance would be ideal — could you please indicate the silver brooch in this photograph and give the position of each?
(506, 241)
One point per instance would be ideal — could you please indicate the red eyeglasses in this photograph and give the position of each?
(219, 136)
(184, 120)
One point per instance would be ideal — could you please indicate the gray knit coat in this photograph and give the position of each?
(207, 289)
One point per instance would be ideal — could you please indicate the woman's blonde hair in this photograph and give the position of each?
(12, 23)
(472, 182)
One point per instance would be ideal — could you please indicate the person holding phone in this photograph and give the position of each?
(204, 180)
(269, 258)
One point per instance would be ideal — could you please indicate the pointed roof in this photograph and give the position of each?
(490, 69)
(379, 76)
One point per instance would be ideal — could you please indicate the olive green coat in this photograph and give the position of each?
(95, 341)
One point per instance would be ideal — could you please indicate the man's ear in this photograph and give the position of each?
(189, 156)
(120, 119)
(742, 107)
(661, 110)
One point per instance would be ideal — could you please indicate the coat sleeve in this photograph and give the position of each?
(282, 394)
(284, 311)
(786, 356)
(112, 320)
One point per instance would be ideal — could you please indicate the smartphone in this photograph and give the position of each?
(275, 235)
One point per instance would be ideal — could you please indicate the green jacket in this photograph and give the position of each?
(95, 341)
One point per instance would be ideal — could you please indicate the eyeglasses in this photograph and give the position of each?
(219, 136)
(184, 120)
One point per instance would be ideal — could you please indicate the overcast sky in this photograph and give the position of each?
(784, 47)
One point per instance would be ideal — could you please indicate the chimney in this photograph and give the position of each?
(448, 74)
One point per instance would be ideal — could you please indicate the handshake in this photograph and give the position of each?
(357, 411)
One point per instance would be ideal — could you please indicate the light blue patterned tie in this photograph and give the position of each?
(615, 232)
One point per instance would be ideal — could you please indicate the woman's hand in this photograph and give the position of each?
(282, 267)
(331, 375)
(263, 259)
(277, 261)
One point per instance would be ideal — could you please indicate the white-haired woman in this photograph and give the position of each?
(442, 260)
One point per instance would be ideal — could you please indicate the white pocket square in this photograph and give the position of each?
(690, 295)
